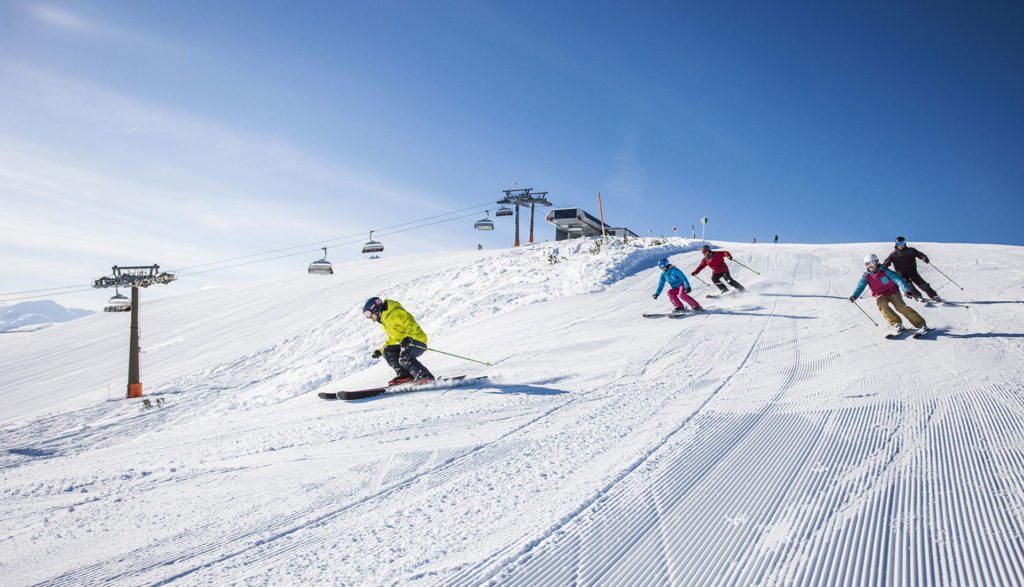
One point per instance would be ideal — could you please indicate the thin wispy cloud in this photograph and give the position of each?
(127, 180)
(63, 19)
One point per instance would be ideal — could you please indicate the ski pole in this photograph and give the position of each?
(742, 265)
(426, 348)
(865, 313)
(701, 280)
(946, 276)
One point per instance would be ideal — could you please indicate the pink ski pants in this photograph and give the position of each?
(677, 296)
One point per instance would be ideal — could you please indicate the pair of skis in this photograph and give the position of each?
(903, 334)
(439, 383)
(703, 310)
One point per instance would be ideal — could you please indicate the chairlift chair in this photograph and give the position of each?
(322, 266)
(503, 211)
(484, 223)
(118, 303)
(373, 246)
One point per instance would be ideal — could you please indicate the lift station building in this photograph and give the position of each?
(576, 222)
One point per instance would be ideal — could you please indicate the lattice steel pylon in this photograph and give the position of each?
(524, 197)
(135, 277)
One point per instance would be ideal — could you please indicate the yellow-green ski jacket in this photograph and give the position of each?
(398, 323)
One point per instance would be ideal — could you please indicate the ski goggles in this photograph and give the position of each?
(368, 314)
(901, 244)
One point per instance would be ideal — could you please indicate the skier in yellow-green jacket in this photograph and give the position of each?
(406, 340)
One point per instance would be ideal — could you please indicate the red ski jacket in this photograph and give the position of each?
(716, 263)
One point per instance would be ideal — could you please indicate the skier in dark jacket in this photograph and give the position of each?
(719, 270)
(904, 260)
(405, 342)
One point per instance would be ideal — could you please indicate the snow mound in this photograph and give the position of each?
(442, 301)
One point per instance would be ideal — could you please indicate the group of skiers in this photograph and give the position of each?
(406, 341)
(886, 285)
(679, 286)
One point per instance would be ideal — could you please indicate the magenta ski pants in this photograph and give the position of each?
(678, 295)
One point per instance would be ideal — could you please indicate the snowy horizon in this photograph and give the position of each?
(182, 133)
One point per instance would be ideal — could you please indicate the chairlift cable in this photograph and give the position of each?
(322, 242)
(14, 293)
(307, 251)
(64, 293)
(353, 239)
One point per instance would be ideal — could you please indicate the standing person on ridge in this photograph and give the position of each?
(405, 342)
(885, 287)
(904, 260)
(679, 286)
(719, 270)
(776, 239)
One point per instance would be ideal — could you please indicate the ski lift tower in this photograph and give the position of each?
(523, 197)
(134, 277)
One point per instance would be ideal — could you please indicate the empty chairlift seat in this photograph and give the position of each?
(484, 223)
(321, 266)
(118, 303)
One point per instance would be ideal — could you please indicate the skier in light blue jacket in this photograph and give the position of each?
(679, 287)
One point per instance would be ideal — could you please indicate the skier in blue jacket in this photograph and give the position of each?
(678, 287)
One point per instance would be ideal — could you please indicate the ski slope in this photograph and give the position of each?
(777, 439)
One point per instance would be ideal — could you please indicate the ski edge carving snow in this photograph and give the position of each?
(440, 383)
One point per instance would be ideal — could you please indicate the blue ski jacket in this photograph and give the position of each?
(674, 277)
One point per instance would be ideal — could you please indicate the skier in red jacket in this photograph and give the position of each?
(719, 270)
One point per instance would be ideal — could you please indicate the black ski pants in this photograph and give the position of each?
(405, 362)
(717, 278)
(914, 278)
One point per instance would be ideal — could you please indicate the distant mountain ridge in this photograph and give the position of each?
(37, 313)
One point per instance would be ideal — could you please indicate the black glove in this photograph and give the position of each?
(376, 354)
(687, 290)
(853, 298)
(655, 296)
(410, 342)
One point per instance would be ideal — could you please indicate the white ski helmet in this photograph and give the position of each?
(871, 259)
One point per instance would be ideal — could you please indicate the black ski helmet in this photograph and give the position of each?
(705, 250)
(901, 242)
(373, 307)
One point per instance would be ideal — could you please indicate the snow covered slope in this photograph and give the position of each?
(776, 439)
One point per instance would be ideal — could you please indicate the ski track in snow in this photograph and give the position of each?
(776, 440)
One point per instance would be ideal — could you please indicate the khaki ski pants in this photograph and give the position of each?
(896, 299)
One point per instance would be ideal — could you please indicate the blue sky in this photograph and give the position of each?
(188, 132)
